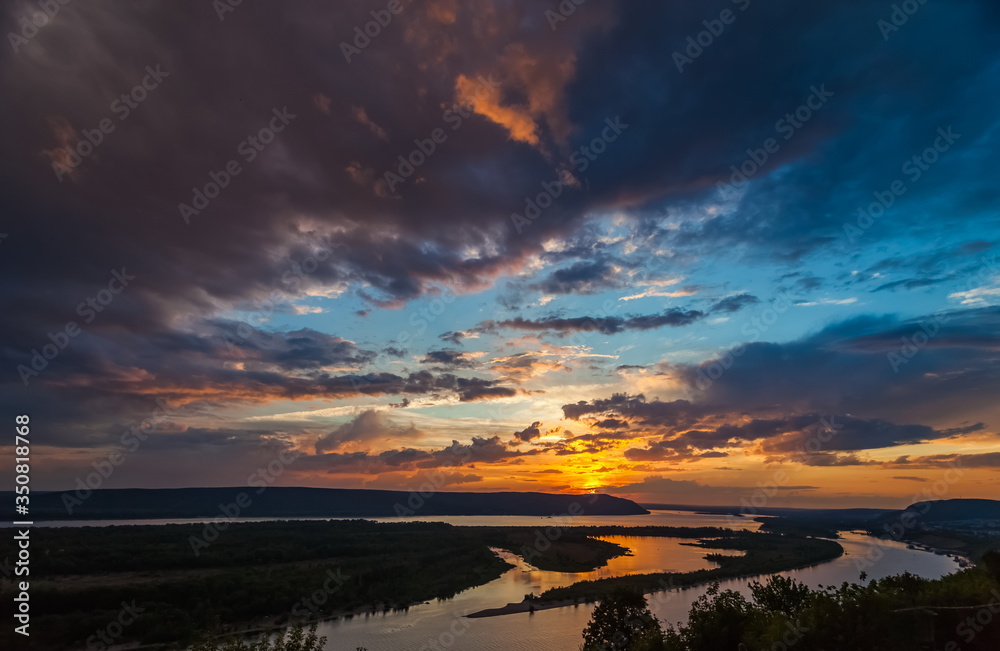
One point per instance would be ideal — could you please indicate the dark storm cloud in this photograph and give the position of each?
(209, 364)
(193, 123)
(479, 450)
(811, 438)
(452, 337)
(292, 220)
(394, 351)
(584, 277)
(296, 350)
(940, 366)
(607, 325)
(677, 413)
(735, 303)
(848, 434)
(528, 433)
(933, 461)
(909, 283)
(835, 160)
(449, 359)
(307, 213)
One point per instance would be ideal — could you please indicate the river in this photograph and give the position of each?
(442, 625)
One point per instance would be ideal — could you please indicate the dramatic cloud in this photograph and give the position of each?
(478, 451)
(604, 325)
(368, 427)
(584, 277)
(280, 232)
(937, 366)
(449, 359)
(529, 433)
(735, 303)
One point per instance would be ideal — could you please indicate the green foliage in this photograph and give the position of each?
(717, 621)
(622, 622)
(556, 549)
(255, 575)
(780, 594)
(991, 561)
(294, 640)
(898, 613)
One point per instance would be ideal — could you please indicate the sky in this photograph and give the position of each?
(715, 253)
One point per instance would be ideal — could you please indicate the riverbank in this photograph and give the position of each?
(673, 583)
(763, 553)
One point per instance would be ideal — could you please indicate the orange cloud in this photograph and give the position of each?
(322, 102)
(443, 11)
(485, 101)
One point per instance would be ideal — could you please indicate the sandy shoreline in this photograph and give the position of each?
(521, 607)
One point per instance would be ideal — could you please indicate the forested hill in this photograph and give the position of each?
(958, 509)
(285, 502)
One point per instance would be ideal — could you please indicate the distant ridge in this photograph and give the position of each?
(288, 502)
(858, 514)
(948, 511)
